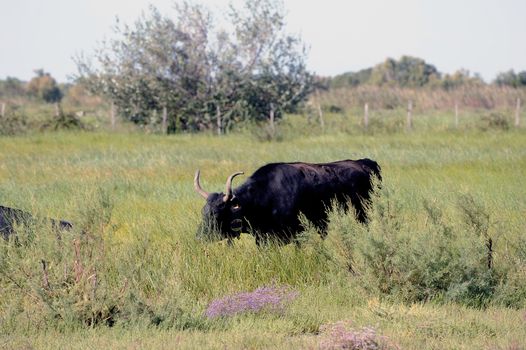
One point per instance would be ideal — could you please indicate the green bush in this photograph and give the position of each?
(13, 123)
(494, 121)
(511, 292)
(398, 257)
(64, 121)
(88, 277)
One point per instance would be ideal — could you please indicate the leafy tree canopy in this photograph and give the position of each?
(198, 73)
(510, 78)
(406, 72)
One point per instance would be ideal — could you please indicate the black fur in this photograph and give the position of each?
(9, 217)
(269, 203)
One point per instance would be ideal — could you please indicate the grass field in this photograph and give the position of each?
(420, 275)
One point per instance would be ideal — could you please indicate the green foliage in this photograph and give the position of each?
(512, 79)
(418, 272)
(211, 271)
(12, 87)
(200, 77)
(494, 121)
(13, 123)
(459, 79)
(410, 72)
(511, 292)
(17, 123)
(64, 121)
(385, 124)
(415, 263)
(351, 78)
(87, 277)
(406, 72)
(265, 132)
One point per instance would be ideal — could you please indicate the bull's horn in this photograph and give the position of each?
(197, 186)
(228, 189)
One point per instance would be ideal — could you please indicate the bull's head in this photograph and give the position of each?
(222, 213)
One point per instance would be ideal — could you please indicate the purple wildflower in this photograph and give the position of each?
(340, 336)
(269, 298)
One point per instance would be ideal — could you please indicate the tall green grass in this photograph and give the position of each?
(418, 272)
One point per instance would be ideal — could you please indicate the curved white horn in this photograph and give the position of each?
(197, 186)
(228, 190)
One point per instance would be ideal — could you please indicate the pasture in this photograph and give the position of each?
(418, 274)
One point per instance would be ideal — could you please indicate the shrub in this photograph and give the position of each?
(63, 279)
(64, 121)
(494, 121)
(394, 256)
(269, 298)
(333, 109)
(512, 291)
(12, 124)
(89, 277)
(341, 335)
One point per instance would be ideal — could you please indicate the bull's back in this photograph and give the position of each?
(338, 173)
(330, 178)
(276, 193)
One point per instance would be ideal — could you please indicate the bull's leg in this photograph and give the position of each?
(361, 215)
(357, 203)
(322, 229)
(320, 221)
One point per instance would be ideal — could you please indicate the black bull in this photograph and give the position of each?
(270, 202)
(10, 218)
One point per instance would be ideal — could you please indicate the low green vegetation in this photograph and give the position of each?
(442, 263)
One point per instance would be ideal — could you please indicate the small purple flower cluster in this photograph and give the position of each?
(269, 298)
(340, 336)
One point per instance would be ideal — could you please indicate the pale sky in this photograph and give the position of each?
(484, 36)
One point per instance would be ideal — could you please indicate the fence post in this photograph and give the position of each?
(165, 120)
(320, 112)
(517, 113)
(366, 115)
(456, 115)
(112, 115)
(409, 115)
(322, 121)
(271, 119)
(2, 110)
(218, 117)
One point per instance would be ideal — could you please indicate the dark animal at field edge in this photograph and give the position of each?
(10, 218)
(270, 202)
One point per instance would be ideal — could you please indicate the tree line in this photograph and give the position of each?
(414, 72)
(42, 87)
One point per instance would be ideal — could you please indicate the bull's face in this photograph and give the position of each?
(222, 213)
